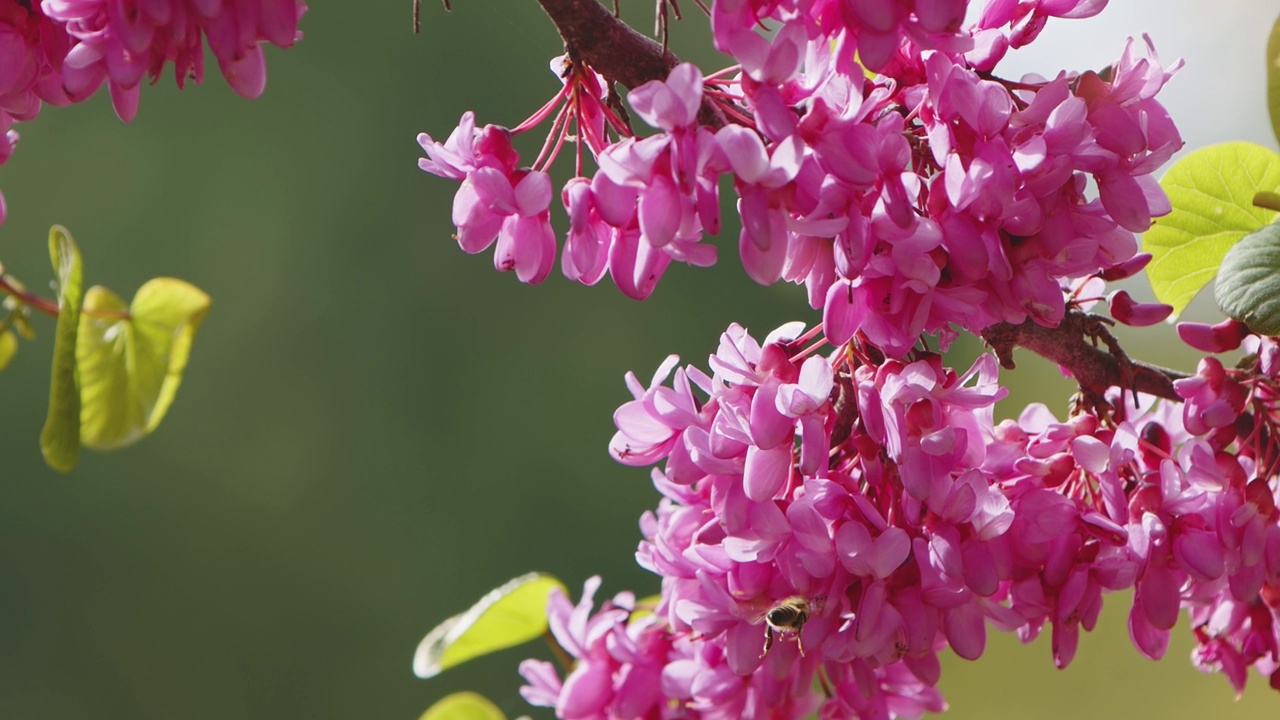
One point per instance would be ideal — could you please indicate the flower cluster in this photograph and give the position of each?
(929, 194)
(879, 499)
(120, 43)
(32, 48)
(62, 51)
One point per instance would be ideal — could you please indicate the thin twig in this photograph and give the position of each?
(615, 50)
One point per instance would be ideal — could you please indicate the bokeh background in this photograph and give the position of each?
(376, 428)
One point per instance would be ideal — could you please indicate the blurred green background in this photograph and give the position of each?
(376, 428)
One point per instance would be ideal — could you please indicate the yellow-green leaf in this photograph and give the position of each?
(1273, 78)
(8, 347)
(131, 359)
(463, 706)
(1212, 192)
(60, 439)
(508, 616)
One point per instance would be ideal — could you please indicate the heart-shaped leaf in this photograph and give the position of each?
(60, 439)
(1248, 285)
(508, 616)
(130, 359)
(463, 706)
(1212, 192)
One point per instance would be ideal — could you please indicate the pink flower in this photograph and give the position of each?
(120, 43)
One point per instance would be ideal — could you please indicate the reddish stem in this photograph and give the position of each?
(50, 307)
(44, 305)
(594, 35)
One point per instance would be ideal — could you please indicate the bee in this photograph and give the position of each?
(789, 617)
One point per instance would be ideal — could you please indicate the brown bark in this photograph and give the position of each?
(1072, 344)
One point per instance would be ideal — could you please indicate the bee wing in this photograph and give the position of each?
(754, 611)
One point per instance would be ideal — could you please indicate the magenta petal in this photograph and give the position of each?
(543, 689)
(639, 424)
(742, 649)
(1150, 640)
(659, 212)
(493, 188)
(478, 236)
(527, 246)
(124, 101)
(1135, 314)
(532, 194)
(890, 551)
(843, 312)
(769, 428)
(745, 152)
(477, 227)
(815, 444)
(1201, 554)
(764, 265)
(1126, 202)
(586, 691)
(279, 21)
(966, 630)
(635, 265)
(980, 574)
(671, 104)
(1158, 594)
(615, 203)
(1223, 337)
(925, 666)
(247, 74)
(869, 610)
(134, 33)
(766, 472)
(1066, 638)
(853, 543)
(686, 84)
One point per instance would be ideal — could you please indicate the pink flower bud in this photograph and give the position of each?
(1124, 309)
(1223, 337)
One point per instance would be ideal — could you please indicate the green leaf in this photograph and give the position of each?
(1212, 191)
(508, 616)
(8, 347)
(463, 706)
(1248, 285)
(60, 439)
(130, 360)
(1273, 78)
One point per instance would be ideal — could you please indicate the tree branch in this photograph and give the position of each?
(594, 35)
(614, 49)
(1072, 344)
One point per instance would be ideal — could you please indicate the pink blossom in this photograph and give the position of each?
(121, 45)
